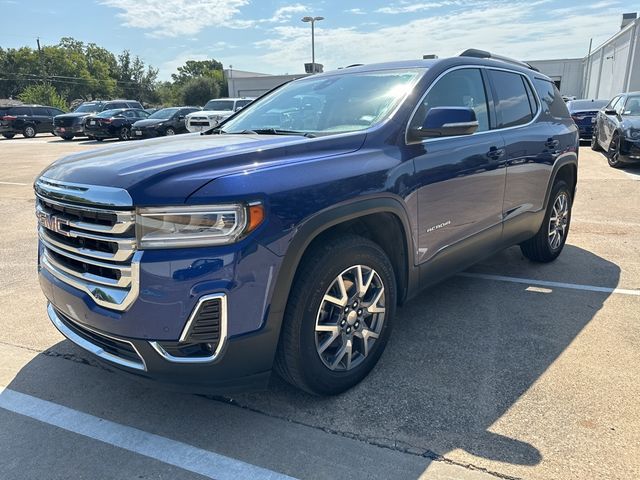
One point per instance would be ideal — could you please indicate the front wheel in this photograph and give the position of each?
(169, 132)
(613, 154)
(8, 135)
(547, 244)
(67, 137)
(595, 146)
(338, 318)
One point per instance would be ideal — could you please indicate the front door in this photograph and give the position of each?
(460, 180)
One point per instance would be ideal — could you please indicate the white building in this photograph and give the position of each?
(609, 69)
(252, 84)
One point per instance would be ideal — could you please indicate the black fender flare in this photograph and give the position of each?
(313, 226)
(561, 162)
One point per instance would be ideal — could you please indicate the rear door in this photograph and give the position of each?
(23, 117)
(42, 120)
(607, 123)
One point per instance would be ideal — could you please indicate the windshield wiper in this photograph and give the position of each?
(274, 131)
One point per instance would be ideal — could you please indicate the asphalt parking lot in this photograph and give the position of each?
(510, 370)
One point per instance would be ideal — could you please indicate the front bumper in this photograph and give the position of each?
(240, 369)
(630, 151)
(171, 286)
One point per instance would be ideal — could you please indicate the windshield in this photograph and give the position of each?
(219, 105)
(109, 113)
(576, 105)
(88, 108)
(165, 113)
(327, 105)
(632, 107)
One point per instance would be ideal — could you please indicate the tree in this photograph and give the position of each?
(199, 90)
(44, 94)
(198, 68)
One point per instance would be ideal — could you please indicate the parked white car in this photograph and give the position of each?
(214, 112)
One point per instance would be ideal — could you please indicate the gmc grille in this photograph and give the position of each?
(89, 247)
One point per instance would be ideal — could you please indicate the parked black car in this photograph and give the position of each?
(71, 125)
(113, 123)
(167, 121)
(617, 130)
(27, 120)
(584, 113)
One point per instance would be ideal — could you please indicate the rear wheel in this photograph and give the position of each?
(29, 131)
(338, 318)
(547, 244)
(613, 153)
(8, 135)
(169, 132)
(124, 133)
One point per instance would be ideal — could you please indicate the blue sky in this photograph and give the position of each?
(268, 36)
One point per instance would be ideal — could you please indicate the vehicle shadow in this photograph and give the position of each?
(461, 355)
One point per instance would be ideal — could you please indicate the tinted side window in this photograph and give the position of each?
(459, 88)
(552, 103)
(612, 103)
(114, 105)
(54, 111)
(21, 111)
(512, 102)
(243, 103)
(134, 105)
(40, 111)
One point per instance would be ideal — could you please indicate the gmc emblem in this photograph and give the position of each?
(53, 223)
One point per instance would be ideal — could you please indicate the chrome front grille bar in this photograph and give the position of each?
(98, 257)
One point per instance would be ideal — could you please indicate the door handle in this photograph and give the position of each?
(495, 153)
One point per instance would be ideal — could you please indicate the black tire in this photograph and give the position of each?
(595, 146)
(29, 131)
(298, 360)
(8, 135)
(170, 131)
(539, 248)
(613, 153)
(89, 137)
(124, 133)
(99, 139)
(67, 137)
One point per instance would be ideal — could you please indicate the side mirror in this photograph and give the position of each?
(181, 117)
(447, 122)
(610, 111)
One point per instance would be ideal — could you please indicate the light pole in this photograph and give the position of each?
(313, 20)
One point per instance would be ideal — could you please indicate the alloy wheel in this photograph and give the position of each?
(350, 318)
(614, 151)
(559, 220)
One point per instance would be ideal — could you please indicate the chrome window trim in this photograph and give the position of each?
(118, 298)
(93, 348)
(80, 193)
(185, 332)
(407, 141)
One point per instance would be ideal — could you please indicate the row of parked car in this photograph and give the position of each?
(612, 126)
(123, 119)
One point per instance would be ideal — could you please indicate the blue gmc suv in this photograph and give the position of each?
(284, 238)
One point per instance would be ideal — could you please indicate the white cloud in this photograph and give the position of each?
(511, 28)
(179, 18)
(410, 8)
(356, 11)
(284, 14)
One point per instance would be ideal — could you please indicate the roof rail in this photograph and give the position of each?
(473, 52)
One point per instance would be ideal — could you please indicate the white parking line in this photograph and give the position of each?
(15, 183)
(169, 451)
(544, 283)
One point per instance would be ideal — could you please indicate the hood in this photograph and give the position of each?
(166, 170)
(630, 121)
(148, 122)
(75, 115)
(210, 113)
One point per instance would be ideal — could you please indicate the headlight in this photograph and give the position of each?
(633, 134)
(174, 227)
